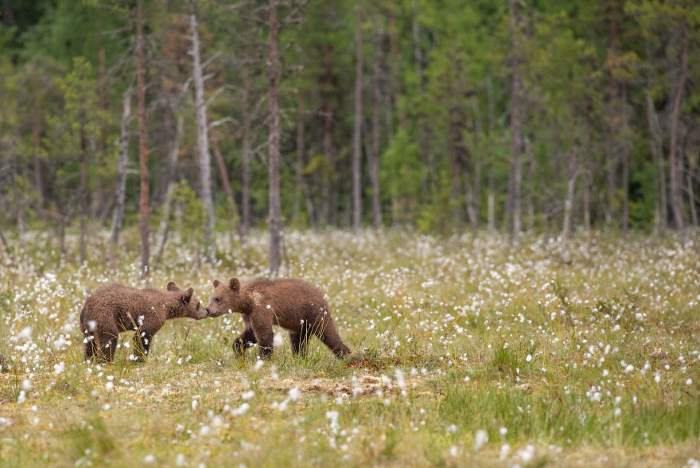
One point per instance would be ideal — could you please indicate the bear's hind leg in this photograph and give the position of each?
(330, 337)
(105, 346)
(90, 347)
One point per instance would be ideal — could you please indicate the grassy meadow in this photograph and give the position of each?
(473, 352)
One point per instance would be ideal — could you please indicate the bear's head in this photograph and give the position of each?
(226, 298)
(186, 305)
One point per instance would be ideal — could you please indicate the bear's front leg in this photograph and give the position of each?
(142, 344)
(244, 341)
(261, 324)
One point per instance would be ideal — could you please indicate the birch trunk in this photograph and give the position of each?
(164, 227)
(122, 163)
(203, 156)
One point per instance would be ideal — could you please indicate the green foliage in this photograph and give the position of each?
(437, 78)
(189, 213)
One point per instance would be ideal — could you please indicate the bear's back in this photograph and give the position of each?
(291, 300)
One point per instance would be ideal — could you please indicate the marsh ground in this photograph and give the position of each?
(474, 352)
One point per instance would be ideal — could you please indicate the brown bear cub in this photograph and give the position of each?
(292, 304)
(114, 309)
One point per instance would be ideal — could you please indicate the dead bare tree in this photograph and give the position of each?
(120, 193)
(203, 155)
(164, 227)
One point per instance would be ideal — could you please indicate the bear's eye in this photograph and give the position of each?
(217, 299)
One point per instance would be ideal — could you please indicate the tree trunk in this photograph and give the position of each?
(691, 193)
(529, 197)
(143, 140)
(570, 194)
(274, 143)
(516, 118)
(656, 143)
(376, 135)
(625, 193)
(245, 172)
(83, 195)
(674, 161)
(357, 130)
(625, 156)
(301, 194)
(120, 193)
(613, 108)
(36, 143)
(327, 84)
(202, 141)
(8, 16)
(4, 243)
(164, 228)
(491, 201)
(223, 175)
(491, 196)
(587, 202)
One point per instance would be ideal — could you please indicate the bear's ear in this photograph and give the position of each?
(172, 286)
(186, 296)
(216, 283)
(234, 284)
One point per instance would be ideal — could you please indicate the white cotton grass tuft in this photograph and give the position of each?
(25, 334)
(294, 394)
(241, 410)
(480, 439)
(503, 453)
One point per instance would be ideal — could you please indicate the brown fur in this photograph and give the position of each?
(292, 304)
(114, 309)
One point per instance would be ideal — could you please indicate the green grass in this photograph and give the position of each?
(595, 360)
